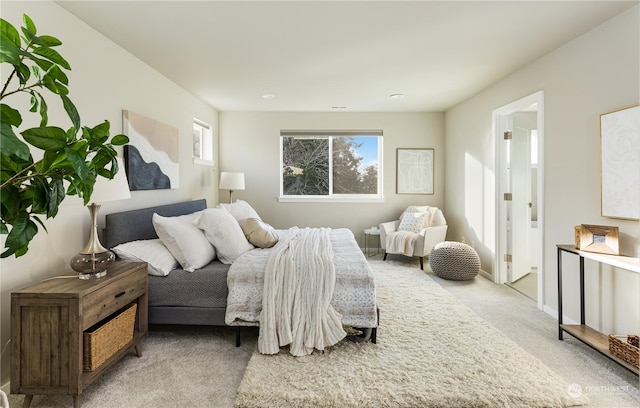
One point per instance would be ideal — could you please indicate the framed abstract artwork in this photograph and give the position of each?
(620, 184)
(414, 171)
(151, 157)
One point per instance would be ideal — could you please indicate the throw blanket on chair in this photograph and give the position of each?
(299, 281)
(401, 242)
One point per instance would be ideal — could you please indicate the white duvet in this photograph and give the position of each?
(352, 301)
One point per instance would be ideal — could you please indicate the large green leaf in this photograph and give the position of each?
(103, 157)
(9, 33)
(56, 195)
(50, 41)
(78, 164)
(58, 74)
(8, 52)
(22, 232)
(100, 131)
(28, 23)
(34, 103)
(44, 111)
(42, 63)
(47, 159)
(54, 86)
(46, 138)
(11, 145)
(11, 201)
(52, 55)
(8, 167)
(39, 189)
(119, 140)
(71, 110)
(10, 115)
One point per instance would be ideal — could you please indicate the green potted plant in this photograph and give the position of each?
(68, 161)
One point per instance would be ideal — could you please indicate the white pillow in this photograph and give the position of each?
(241, 210)
(185, 242)
(418, 208)
(413, 222)
(152, 251)
(430, 211)
(223, 232)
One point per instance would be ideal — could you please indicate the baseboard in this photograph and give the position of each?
(486, 275)
(550, 311)
(6, 387)
(554, 313)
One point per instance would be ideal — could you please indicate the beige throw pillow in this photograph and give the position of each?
(260, 234)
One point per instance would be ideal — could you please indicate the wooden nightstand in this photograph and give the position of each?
(47, 324)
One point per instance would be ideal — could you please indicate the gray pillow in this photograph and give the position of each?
(260, 234)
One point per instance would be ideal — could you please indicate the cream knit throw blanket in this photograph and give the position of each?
(401, 242)
(299, 281)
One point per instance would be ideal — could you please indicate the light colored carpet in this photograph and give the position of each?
(432, 352)
(199, 367)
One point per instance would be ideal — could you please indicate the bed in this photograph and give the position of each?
(202, 296)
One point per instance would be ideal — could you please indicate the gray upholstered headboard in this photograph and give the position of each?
(136, 224)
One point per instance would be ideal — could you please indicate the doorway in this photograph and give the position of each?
(519, 137)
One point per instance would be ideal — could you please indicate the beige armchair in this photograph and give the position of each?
(418, 230)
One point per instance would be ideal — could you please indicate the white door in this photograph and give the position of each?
(519, 224)
(521, 202)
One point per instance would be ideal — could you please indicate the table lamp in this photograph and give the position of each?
(231, 181)
(92, 261)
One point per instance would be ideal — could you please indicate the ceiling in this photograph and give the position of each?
(319, 56)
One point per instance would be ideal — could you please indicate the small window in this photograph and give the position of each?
(331, 166)
(202, 143)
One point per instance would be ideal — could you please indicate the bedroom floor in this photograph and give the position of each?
(203, 368)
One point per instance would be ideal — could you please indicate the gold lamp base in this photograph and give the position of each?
(92, 261)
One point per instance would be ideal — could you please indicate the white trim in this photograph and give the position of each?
(330, 199)
(499, 126)
(206, 144)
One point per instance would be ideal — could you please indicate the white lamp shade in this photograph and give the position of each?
(111, 190)
(231, 181)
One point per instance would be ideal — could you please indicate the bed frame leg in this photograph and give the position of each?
(422, 263)
(374, 331)
(238, 336)
(384, 257)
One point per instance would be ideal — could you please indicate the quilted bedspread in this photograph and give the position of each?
(354, 296)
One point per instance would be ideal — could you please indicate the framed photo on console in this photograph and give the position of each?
(600, 239)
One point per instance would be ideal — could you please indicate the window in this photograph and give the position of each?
(202, 143)
(331, 166)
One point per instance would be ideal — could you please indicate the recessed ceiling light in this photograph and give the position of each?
(268, 96)
(396, 96)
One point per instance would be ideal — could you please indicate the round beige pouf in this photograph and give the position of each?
(454, 261)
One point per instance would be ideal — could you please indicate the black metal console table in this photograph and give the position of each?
(582, 332)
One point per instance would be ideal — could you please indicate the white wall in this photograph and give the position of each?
(594, 74)
(249, 143)
(105, 80)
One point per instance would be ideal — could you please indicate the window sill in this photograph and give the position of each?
(331, 199)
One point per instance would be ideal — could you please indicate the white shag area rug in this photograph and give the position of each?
(432, 351)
